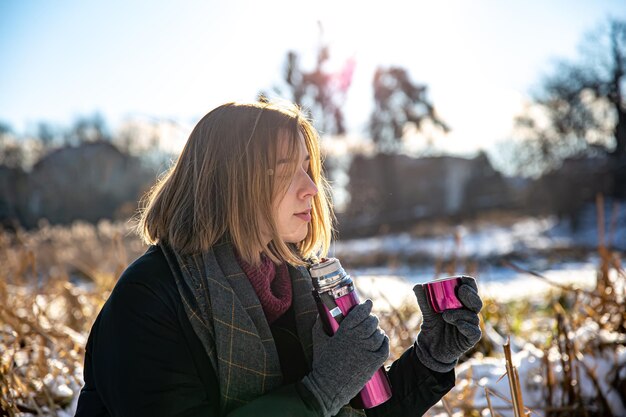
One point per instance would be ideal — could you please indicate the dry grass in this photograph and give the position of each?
(53, 282)
(551, 323)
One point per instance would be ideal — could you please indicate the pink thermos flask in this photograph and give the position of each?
(335, 296)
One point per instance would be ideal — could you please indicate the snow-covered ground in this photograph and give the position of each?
(526, 237)
(497, 283)
(483, 242)
(473, 376)
(596, 366)
(543, 245)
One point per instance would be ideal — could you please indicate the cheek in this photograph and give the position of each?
(282, 212)
(286, 206)
(289, 197)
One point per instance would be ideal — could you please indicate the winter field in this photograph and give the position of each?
(557, 296)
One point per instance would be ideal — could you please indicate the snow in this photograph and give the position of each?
(488, 372)
(487, 242)
(387, 292)
(530, 240)
(524, 237)
(392, 290)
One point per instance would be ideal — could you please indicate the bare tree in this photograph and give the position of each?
(11, 150)
(46, 134)
(398, 102)
(320, 92)
(88, 129)
(581, 109)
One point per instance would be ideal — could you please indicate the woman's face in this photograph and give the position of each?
(292, 211)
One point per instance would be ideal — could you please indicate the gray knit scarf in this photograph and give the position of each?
(227, 316)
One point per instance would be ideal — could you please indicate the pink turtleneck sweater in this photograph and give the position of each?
(272, 285)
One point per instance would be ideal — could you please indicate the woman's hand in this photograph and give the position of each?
(444, 337)
(347, 360)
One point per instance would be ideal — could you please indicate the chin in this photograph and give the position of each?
(295, 237)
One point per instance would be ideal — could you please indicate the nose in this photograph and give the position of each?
(307, 187)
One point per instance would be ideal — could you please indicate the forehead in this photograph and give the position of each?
(288, 147)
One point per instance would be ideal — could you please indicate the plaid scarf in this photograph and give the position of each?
(227, 316)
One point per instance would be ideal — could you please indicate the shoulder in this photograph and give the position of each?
(147, 281)
(150, 270)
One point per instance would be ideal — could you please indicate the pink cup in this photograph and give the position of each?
(441, 293)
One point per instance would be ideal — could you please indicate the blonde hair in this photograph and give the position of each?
(222, 186)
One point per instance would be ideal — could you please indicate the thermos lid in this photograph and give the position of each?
(327, 267)
(327, 274)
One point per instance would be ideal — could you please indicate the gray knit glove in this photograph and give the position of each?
(347, 360)
(444, 337)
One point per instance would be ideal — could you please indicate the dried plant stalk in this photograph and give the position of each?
(514, 385)
(491, 411)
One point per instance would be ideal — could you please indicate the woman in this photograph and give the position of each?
(217, 317)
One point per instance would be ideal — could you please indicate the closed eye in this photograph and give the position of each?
(307, 159)
(306, 164)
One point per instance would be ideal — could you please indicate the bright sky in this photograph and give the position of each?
(177, 60)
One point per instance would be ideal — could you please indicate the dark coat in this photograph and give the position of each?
(144, 359)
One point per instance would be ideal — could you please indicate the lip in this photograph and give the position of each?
(304, 215)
